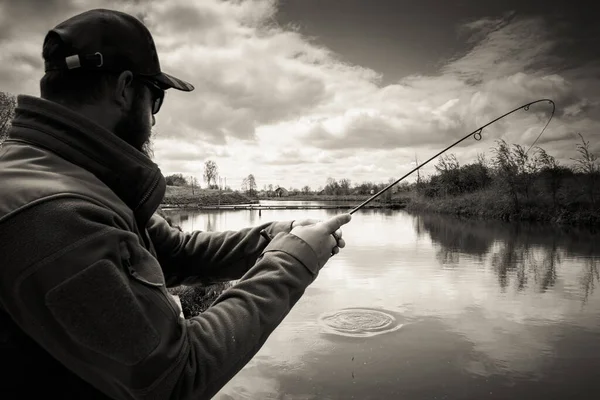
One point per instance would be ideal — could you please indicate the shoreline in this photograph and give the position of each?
(479, 205)
(257, 206)
(493, 207)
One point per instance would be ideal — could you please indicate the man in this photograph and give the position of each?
(85, 261)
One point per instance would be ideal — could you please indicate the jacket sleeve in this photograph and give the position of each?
(208, 257)
(91, 296)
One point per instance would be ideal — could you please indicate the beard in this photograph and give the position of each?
(135, 129)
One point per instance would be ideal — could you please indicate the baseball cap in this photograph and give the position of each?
(109, 40)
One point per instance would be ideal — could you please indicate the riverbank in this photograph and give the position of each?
(185, 197)
(489, 203)
(492, 204)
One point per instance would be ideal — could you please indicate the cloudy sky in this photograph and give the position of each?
(296, 91)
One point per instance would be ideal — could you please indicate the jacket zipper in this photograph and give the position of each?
(149, 192)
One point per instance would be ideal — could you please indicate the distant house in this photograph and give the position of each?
(281, 192)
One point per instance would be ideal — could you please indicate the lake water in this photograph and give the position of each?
(462, 310)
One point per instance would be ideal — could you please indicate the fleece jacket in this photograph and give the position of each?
(85, 263)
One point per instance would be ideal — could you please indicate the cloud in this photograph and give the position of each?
(280, 103)
(500, 72)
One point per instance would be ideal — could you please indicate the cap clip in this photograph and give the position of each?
(73, 61)
(101, 59)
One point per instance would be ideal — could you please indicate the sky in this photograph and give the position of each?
(298, 91)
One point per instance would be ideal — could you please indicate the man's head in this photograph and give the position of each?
(104, 64)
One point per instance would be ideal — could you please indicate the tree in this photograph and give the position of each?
(344, 187)
(251, 185)
(551, 172)
(587, 164)
(306, 189)
(418, 173)
(332, 187)
(587, 161)
(175, 180)
(387, 195)
(8, 103)
(527, 168)
(193, 183)
(448, 178)
(211, 172)
(507, 170)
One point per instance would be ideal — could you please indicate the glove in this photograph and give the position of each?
(324, 237)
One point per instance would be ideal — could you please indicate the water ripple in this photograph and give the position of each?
(359, 322)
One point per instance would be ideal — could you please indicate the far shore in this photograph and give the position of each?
(485, 204)
(180, 197)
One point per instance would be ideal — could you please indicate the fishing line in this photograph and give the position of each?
(476, 135)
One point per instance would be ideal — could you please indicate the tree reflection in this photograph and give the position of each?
(514, 259)
(550, 261)
(590, 277)
(252, 217)
(461, 237)
(521, 255)
(211, 221)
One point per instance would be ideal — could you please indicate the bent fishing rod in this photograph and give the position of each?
(476, 134)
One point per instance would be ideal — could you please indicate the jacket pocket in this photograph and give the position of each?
(146, 276)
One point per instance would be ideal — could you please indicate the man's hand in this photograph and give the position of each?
(304, 222)
(324, 237)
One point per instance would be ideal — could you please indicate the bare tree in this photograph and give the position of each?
(251, 185)
(447, 163)
(194, 183)
(587, 161)
(418, 173)
(481, 160)
(211, 172)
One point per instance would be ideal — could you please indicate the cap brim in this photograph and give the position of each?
(166, 81)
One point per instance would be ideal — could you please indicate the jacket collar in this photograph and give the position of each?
(131, 175)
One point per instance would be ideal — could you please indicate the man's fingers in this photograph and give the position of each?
(335, 251)
(341, 243)
(334, 223)
(337, 234)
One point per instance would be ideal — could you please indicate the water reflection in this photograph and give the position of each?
(591, 277)
(490, 310)
(521, 255)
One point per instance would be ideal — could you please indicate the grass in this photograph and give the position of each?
(197, 299)
(182, 196)
(492, 203)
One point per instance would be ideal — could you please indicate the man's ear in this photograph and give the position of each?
(123, 94)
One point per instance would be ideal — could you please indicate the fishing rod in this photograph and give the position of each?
(476, 134)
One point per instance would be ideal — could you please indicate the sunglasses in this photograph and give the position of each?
(158, 95)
